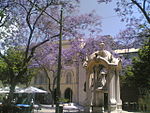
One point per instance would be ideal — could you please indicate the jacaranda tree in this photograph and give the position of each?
(37, 22)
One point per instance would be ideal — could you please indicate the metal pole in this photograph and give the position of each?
(59, 64)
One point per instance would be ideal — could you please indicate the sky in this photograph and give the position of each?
(111, 24)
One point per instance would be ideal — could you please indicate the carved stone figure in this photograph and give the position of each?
(99, 76)
(102, 78)
(100, 54)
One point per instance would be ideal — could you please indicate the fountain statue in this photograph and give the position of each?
(102, 81)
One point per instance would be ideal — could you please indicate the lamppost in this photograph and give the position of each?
(59, 64)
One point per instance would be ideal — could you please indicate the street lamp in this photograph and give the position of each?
(58, 110)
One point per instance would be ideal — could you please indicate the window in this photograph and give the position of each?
(68, 78)
(68, 62)
(35, 80)
(40, 79)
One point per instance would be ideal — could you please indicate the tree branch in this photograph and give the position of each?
(28, 18)
(40, 15)
(2, 23)
(45, 11)
(41, 43)
(144, 3)
(22, 6)
(31, 31)
(143, 11)
(45, 70)
(2, 17)
(54, 81)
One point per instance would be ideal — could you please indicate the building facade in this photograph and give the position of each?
(72, 83)
(73, 79)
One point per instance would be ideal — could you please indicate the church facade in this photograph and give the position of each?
(72, 82)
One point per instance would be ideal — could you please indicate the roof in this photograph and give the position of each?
(131, 50)
(29, 89)
(32, 89)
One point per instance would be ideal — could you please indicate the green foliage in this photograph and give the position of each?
(11, 69)
(63, 100)
(145, 100)
(141, 67)
(138, 74)
(128, 78)
(1, 14)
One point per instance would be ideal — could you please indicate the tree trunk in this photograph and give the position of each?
(52, 98)
(11, 94)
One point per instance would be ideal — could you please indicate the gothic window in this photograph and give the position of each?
(68, 62)
(68, 77)
(40, 78)
(41, 81)
(35, 80)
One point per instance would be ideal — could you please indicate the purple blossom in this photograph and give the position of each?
(77, 49)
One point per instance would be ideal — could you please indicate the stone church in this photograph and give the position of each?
(72, 83)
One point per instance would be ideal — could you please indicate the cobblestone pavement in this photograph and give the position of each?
(69, 108)
(68, 111)
(43, 110)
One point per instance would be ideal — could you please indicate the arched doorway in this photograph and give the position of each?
(68, 94)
